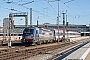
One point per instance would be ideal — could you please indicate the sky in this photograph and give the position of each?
(46, 11)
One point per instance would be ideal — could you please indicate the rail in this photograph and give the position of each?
(27, 52)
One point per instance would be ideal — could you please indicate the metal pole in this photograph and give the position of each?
(67, 31)
(26, 20)
(58, 20)
(63, 26)
(30, 16)
(37, 23)
(67, 27)
(3, 34)
(10, 28)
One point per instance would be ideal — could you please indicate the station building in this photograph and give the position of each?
(77, 28)
(19, 28)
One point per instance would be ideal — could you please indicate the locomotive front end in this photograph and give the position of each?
(28, 35)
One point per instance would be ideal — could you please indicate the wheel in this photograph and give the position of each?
(40, 42)
(34, 43)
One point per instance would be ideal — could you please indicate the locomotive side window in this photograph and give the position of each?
(36, 31)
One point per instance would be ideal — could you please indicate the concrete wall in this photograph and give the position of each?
(79, 38)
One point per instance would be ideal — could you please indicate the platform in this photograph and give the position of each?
(79, 54)
(88, 56)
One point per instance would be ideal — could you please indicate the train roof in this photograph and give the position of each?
(66, 31)
(85, 32)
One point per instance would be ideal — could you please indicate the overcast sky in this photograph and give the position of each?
(78, 11)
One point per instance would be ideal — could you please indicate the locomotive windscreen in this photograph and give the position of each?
(28, 31)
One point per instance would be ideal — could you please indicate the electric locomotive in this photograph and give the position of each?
(35, 35)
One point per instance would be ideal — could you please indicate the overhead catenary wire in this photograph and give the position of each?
(35, 11)
(27, 2)
(76, 14)
(51, 6)
(10, 9)
(70, 8)
(77, 5)
(29, 8)
(68, 1)
(80, 7)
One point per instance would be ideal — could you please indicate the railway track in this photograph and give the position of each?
(69, 50)
(27, 52)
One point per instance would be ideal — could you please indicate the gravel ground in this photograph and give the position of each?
(46, 56)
